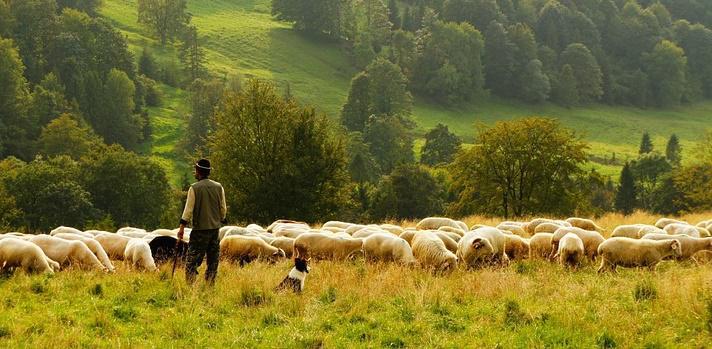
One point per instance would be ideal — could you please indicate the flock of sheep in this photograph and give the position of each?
(435, 243)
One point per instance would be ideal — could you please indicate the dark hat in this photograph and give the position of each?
(203, 164)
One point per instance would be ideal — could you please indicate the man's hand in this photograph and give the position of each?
(181, 231)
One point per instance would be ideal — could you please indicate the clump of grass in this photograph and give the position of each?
(709, 314)
(449, 324)
(4, 331)
(97, 290)
(37, 287)
(253, 297)
(328, 296)
(393, 342)
(514, 316)
(645, 290)
(522, 267)
(272, 319)
(606, 341)
(123, 313)
(311, 343)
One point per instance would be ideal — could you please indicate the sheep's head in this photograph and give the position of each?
(482, 247)
(676, 248)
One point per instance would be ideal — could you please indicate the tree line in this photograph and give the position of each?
(622, 52)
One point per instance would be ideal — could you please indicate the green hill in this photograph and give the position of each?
(241, 38)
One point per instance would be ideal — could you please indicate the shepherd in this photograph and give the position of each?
(207, 209)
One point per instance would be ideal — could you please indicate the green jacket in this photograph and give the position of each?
(205, 205)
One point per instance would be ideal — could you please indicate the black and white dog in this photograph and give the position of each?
(296, 277)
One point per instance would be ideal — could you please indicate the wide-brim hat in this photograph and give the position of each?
(203, 164)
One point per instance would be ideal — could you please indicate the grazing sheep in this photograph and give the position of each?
(18, 253)
(682, 229)
(69, 230)
(245, 249)
(628, 231)
(448, 229)
(530, 228)
(94, 247)
(132, 232)
(591, 240)
(433, 223)
(277, 228)
(354, 228)
(285, 244)
(704, 224)
(585, 224)
(66, 252)
(482, 246)
(514, 229)
(630, 253)
(113, 244)
(431, 252)
(332, 229)
(540, 245)
(519, 224)
(256, 227)
(96, 232)
(368, 231)
(337, 224)
(688, 245)
(478, 226)
(570, 251)
(290, 232)
(284, 221)
(389, 248)
(548, 227)
(165, 248)
(322, 246)
(454, 236)
(408, 236)
(462, 225)
(449, 242)
(663, 222)
(138, 253)
(649, 229)
(516, 247)
(393, 229)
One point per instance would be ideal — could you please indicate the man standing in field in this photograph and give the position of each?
(207, 209)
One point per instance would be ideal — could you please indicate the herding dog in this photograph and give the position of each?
(295, 278)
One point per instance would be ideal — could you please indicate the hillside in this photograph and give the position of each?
(241, 38)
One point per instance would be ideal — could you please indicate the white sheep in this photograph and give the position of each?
(323, 246)
(571, 250)
(630, 253)
(682, 229)
(94, 246)
(540, 245)
(138, 253)
(368, 231)
(18, 253)
(688, 245)
(433, 223)
(388, 247)
(245, 249)
(431, 252)
(591, 240)
(482, 246)
(393, 229)
(285, 244)
(663, 222)
(531, 226)
(628, 231)
(449, 229)
(337, 224)
(66, 252)
(585, 224)
(69, 230)
(132, 232)
(514, 229)
(113, 244)
(547, 227)
(516, 247)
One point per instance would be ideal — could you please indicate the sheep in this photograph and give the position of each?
(483, 245)
(113, 244)
(570, 251)
(277, 228)
(519, 224)
(69, 230)
(663, 222)
(332, 229)
(454, 236)
(682, 229)
(530, 228)
(94, 247)
(26, 255)
(628, 231)
(322, 246)
(432, 223)
(514, 229)
(256, 227)
(649, 229)
(516, 247)
(337, 224)
(284, 221)
(462, 225)
(229, 230)
(702, 257)
(96, 232)
(138, 253)
(368, 231)
(165, 248)
(449, 229)
(163, 232)
(591, 240)
(388, 247)
(393, 229)
(431, 252)
(548, 227)
(289, 232)
(704, 224)
(245, 249)
(540, 245)
(284, 243)
(688, 245)
(66, 252)
(627, 252)
(354, 228)
(585, 224)
(132, 232)
(450, 244)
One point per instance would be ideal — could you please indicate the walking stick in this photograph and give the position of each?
(175, 257)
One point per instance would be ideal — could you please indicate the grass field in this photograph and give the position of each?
(242, 39)
(356, 304)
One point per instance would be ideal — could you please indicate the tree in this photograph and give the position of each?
(34, 23)
(147, 65)
(441, 145)
(192, 55)
(673, 150)
(565, 89)
(113, 117)
(695, 184)
(48, 194)
(132, 189)
(357, 109)
(403, 51)
(646, 145)
(589, 79)
(65, 135)
(390, 141)
(278, 159)
(388, 89)
(648, 171)
(205, 97)
(394, 14)
(537, 87)
(88, 6)
(377, 24)
(49, 101)
(14, 95)
(498, 59)
(516, 168)
(326, 17)
(703, 150)
(362, 166)
(167, 18)
(363, 53)
(626, 193)
(666, 67)
(478, 13)
(409, 192)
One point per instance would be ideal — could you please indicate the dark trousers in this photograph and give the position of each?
(202, 243)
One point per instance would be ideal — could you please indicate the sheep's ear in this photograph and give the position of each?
(674, 244)
(477, 243)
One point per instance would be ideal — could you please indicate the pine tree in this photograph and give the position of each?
(673, 150)
(625, 195)
(566, 91)
(357, 108)
(192, 55)
(646, 145)
(394, 14)
(147, 64)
